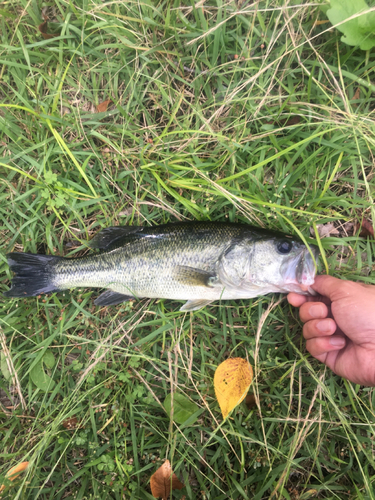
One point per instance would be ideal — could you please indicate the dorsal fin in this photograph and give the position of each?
(111, 235)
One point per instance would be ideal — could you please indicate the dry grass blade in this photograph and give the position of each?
(12, 371)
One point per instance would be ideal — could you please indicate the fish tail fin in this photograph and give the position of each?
(33, 274)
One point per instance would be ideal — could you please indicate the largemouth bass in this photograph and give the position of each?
(199, 262)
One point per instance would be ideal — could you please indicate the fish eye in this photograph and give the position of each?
(284, 247)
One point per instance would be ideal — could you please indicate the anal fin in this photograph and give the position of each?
(109, 298)
(194, 305)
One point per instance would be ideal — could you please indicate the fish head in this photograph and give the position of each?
(298, 267)
(275, 264)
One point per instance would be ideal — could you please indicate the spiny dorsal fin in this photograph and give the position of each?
(193, 277)
(111, 235)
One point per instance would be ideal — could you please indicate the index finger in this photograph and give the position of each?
(296, 299)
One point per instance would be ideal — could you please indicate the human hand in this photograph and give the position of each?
(340, 327)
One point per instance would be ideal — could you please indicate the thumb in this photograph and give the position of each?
(328, 286)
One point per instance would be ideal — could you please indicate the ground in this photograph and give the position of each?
(249, 112)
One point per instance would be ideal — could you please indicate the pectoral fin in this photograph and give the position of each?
(109, 298)
(193, 277)
(194, 305)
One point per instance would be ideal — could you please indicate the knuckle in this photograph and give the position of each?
(307, 330)
(303, 311)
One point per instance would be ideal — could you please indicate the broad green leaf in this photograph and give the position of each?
(359, 31)
(183, 408)
(49, 359)
(40, 378)
(4, 367)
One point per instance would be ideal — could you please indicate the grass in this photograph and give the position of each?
(220, 111)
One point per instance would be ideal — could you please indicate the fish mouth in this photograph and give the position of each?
(301, 270)
(306, 268)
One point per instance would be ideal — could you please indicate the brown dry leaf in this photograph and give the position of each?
(15, 472)
(70, 423)
(291, 121)
(102, 107)
(250, 401)
(325, 230)
(348, 228)
(43, 27)
(161, 481)
(285, 122)
(356, 95)
(366, 229)
(232, 380)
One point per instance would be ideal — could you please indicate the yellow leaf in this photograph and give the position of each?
(163, 481)
(232, 381)
(14, 472)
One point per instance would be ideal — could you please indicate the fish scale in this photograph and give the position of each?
(198, 261)
(142, 259)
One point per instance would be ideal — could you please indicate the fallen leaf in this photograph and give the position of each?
(14, 472)
(70, 423)
(6, 398)
(348, 228)
(285, 122)
(327, 229)
(232, 380)
(290, 121)
(102, 107)
(183, 408)
(163, 481)
(250, 401)
(356, 95)
(43, 27)
(367, 229)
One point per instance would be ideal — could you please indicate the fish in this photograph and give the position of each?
(198, 262)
